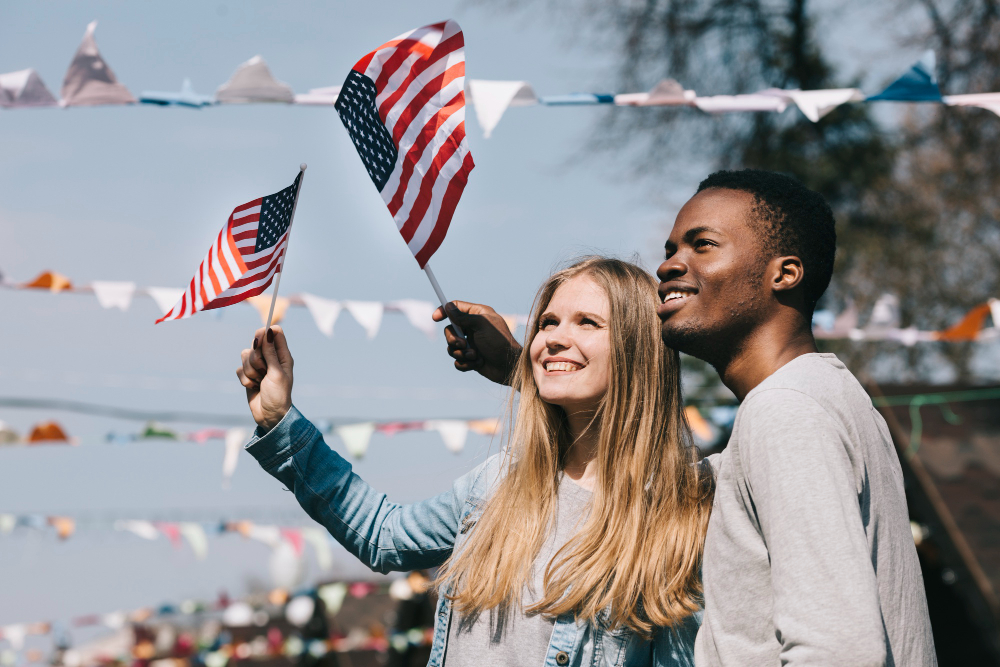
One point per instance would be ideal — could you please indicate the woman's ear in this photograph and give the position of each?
(787, 274)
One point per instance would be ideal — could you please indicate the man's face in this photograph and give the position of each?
(712, 286)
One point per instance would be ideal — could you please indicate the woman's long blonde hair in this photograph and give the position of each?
(637, 556)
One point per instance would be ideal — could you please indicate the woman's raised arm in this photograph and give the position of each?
(383, 535)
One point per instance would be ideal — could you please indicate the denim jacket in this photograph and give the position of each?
(387, 537)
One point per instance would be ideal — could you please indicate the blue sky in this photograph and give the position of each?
(138, 193)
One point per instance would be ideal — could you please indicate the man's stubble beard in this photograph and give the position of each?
(719, 342)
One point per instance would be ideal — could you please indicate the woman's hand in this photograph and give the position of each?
(267, 375)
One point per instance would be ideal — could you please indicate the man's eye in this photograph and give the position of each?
(703, 243)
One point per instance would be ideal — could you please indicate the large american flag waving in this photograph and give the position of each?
(245, 256)
(404, 106)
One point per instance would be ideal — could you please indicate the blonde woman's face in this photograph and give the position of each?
(570, 352)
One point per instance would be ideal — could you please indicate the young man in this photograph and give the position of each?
(809, 558)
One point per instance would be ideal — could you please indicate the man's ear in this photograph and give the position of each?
(787, 273)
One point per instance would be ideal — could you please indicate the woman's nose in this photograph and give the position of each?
(557, 340)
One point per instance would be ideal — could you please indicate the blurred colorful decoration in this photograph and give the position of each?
(89, 80)
(279, 626)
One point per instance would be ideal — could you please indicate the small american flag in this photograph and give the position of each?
(245, 256)
(404, 107)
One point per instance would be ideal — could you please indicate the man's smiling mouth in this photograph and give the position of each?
(675, 294)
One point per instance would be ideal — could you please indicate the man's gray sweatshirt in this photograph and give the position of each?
(809, 557)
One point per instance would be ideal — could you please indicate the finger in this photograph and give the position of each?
(244, 380)
(253, 372)
(454, 342)
(281, 349)
(439, 315)
(270, 355)
(258, 337)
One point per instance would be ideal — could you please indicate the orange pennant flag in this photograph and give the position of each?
(699, 426)
(64, 526)
(48, 432)
(262, 303)
(485, 426)
(970, 325)
(50, 280)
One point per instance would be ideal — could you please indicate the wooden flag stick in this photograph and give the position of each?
(441, 297)
(291, 219)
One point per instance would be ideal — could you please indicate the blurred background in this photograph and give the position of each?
(121, 540)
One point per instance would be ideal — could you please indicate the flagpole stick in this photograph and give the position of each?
(441, 297)
(288, 239)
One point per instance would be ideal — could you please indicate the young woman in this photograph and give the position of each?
(580, 544)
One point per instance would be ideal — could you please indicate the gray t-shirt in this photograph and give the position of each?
(809, 556)
(495, 639)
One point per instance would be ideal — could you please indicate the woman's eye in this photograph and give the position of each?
(546, 323)
(587, 322)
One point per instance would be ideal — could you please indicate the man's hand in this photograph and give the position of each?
(267, 375)
(490, 349)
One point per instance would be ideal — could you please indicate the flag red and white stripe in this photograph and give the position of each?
(404, 106)
(245, 257)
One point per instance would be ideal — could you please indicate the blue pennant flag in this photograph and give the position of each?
(918, 84)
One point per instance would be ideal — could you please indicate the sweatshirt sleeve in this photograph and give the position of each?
(383, 535)
(805, 493)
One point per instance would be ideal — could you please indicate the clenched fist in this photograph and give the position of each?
(266, 373)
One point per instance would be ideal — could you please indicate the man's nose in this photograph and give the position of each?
(671, 268)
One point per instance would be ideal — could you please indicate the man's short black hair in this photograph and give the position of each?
(791, 220)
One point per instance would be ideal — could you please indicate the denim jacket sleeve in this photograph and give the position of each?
(384, 536)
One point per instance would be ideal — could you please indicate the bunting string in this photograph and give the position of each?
(90, 81)
(325, 312)
(883, 323)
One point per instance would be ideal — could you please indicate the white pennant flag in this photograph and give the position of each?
(15, 635)
(25, 89)
(419, 314)
(144, 529)
(885, 313)
(665, 93)
(269, 535)
(817, 103)
(989, 101)
(253, 82)
(319, 540)
(333, 596)
(195, 535)
(235, 439)
(491, 99)
(995, 312)
(165, 297)
(368, 314)
(115, 620)
(453, 431)
(356, 437)
(762, 101)
(324, 312)
(89, 81)
(113, 294)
